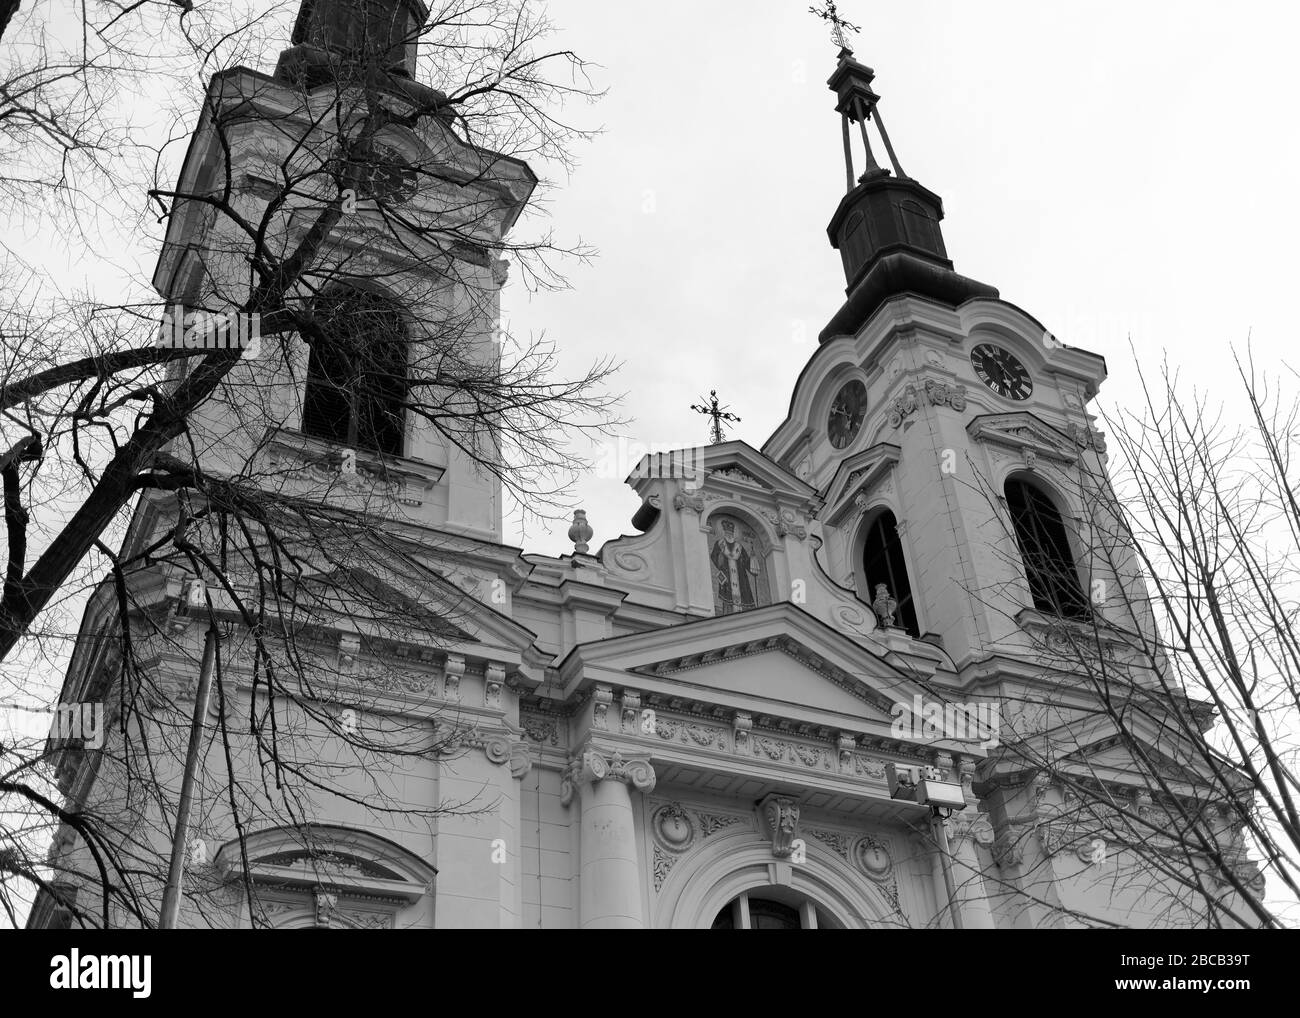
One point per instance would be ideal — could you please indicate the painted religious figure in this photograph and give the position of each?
(739, 579)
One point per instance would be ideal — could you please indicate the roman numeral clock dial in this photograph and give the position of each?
(1001, 371)
(844, 420)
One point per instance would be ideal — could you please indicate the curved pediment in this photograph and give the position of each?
(353, 861)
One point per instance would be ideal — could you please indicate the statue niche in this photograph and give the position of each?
(739, 566)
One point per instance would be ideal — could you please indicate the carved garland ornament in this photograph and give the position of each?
(902, 406)
(676, 831)
(944, 394)
(936, 394)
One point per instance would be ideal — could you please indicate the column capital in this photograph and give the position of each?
(594, 763)
(969, 824)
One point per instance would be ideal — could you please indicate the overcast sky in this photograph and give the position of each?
(1118, 170)
(1115, 169)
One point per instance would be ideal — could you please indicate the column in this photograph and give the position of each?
(972, 895)
(611, 871)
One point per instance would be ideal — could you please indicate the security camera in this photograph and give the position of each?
(902, 781)
(925, 786)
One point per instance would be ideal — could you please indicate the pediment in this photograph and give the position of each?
(312, 856)
(859, 473)
(415, 600)
(1023, 431)
(734, 467)
(777, 662)
(1095, 750)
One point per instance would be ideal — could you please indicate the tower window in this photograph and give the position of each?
(883, 565)
(356, 372)
(919, 227)
(857, 243)
(1045, 550)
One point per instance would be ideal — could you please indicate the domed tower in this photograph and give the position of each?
(935, 419)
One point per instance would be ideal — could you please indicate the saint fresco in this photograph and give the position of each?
(739, 576)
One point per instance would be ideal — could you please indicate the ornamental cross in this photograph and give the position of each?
(838, 24)
(718, 414)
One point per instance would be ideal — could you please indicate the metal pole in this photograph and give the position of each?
(171, 905)
(848, 154)
(941, 838)
(866, 141)
(893, 158)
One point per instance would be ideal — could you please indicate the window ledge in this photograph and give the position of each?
(291, 452)
(1062, 635)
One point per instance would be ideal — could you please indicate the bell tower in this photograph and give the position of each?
(938, 421)
(392, 225)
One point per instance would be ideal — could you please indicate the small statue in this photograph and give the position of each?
(884, 606)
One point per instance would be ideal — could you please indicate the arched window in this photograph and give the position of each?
(322, 876)
(1045, 550)
(857, 241)
(883, 565)
(356, 372)
(919, 226)
(751, 912)
(739, 567)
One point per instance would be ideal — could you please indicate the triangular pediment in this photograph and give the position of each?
(413, 601)
(1022, 431)
(1094, 749)
(729, 466)
(777, 662)
(858, 474)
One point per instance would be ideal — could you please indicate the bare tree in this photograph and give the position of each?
(1155, 735)
(355, 221)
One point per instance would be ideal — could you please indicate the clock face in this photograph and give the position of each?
(846, 414)
(382, 173)
(1001, 371)
(389, 176)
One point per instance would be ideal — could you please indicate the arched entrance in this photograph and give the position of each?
(715, 876)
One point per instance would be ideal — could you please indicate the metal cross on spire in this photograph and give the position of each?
(718, 415)
(838, 24)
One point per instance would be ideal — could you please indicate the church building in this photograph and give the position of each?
(793, 696)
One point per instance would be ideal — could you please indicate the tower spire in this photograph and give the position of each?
(858, 102)
(887, 225)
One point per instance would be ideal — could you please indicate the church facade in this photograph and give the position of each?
(722, 720)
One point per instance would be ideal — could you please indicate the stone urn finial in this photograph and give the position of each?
(580, 532)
